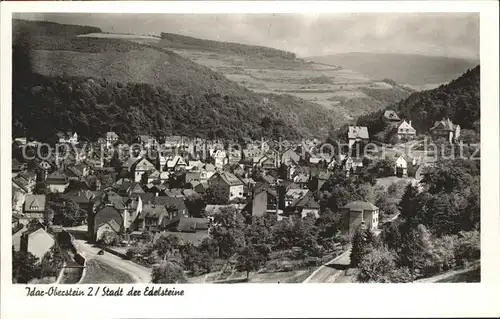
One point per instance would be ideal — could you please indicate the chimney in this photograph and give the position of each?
(409, 122)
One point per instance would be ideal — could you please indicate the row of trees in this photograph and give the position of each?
(249, 245)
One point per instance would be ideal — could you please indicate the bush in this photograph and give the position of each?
(168, 273)
(468, 247)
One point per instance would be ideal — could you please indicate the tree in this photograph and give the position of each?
(165, 245)
(168, 273)
(248, 259)
(52, 262)
(379, 266)
(109, 238)
(217, 195)
(66, 211)
(24, 266)
(228, 231)
(468, 247)
(195, 205)
(197, 259)
(407, 205)
(359, 247)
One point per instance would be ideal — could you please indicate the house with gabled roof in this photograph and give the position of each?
(111, 139)
(57, 182)
(445, 129)
(103, 215)
(302, 207)
(402, 163)
(359, 214)
(68, 137)
(232, 184)
(391, 115)
(181, 223)
(357, 134)
(406, 131)
(140, 167)
(34, 206)
(176, 163)
(36, 241)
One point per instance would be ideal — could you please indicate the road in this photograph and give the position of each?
(139, 273)
(329, 272)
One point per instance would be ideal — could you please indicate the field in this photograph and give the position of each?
(332, 87)
(98, 272)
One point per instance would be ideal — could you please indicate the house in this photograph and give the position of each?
(359, 214)
(25, 181)
(257, 205)
(154, 176)
(401, 165)
(406, 132)
(185, 224)
(36, 241)
(303, 206)
(17, 167)
(322, 178)
(68, 137)
(193, 177)
(177, 163)
(301, 179)
(352, 164)
(294, 193)
(83, 198)
(220, 158)
(34, 206)
(104, 215)
(140, 167)
(111, 139)
(57, 182)
(151, 217)
(391, 116)
(357, 134)
(147, 141)
(232, 184)
(290, 157)
(445, 129)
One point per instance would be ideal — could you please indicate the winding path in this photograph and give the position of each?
(139, 273)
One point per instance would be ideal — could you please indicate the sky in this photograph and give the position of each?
(437, 34)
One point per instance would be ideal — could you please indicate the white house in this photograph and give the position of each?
(401, 164)
(220, 158)
(406, 131)
(142, 166)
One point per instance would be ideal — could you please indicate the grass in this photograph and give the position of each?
(473, 275)
(98, 272)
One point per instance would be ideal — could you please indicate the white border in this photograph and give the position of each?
(270, 300)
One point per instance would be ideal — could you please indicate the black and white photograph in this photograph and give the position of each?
(241, 148)
(173, 148)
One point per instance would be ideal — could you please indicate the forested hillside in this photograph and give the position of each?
(459, 100)
(82, 83)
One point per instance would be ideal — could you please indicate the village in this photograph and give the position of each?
(99, 203)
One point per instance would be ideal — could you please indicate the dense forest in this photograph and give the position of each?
(83, 84)
(459, 100)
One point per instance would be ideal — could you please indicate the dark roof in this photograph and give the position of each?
(56, 178)
(228, 178)
(391, 115)
(107, 213)
(182, 223)
(360, 205)
(152, 211)
(305, 202)
(80, 196)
